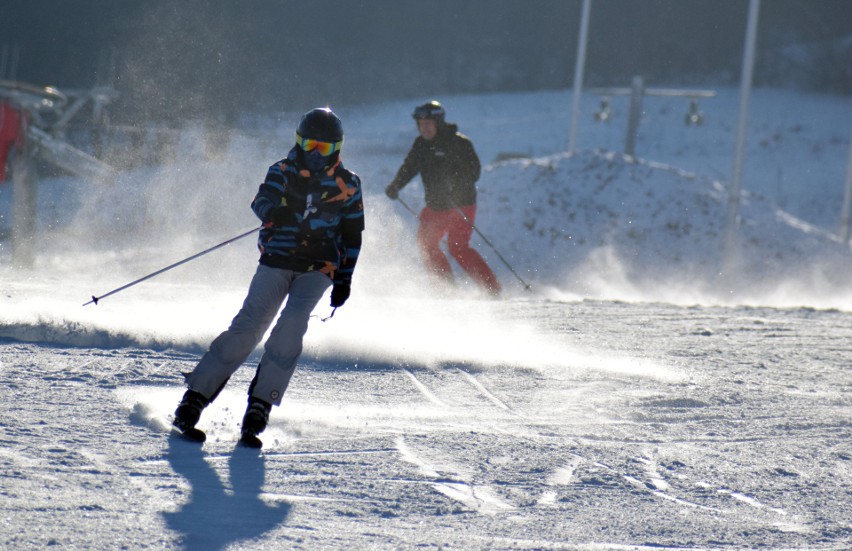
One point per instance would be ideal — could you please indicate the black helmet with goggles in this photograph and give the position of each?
(432, 110)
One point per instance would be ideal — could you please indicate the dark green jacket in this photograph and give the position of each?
(448, 167)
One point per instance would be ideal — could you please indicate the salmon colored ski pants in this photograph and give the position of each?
(434, 226)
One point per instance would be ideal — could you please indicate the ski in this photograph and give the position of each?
(192, 435)
(250, 441)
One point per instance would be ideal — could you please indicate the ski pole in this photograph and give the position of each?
(404, 204)
(175, 265)
(500, 256)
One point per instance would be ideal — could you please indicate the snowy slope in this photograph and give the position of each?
(657, 427)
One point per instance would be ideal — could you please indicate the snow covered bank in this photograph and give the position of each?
(609, 226)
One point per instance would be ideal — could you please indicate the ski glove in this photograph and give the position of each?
(280, 216)
(392, 192)
(339, 294)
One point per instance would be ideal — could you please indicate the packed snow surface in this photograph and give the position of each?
(648, 391)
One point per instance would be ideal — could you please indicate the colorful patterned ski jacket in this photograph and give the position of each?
(448, 166)
(324, 221)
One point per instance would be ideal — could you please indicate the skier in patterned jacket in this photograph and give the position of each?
(449, 168)
(313, 216)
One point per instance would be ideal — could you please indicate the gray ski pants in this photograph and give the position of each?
(269, 287)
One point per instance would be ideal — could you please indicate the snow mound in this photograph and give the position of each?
(599, 216)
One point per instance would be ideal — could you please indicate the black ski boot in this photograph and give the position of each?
(188, 413)
(254, 422)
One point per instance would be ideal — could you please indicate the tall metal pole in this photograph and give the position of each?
(739, 151)
(579, 69)
(847, 200)
(637, 95)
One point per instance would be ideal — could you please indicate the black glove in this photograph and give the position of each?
(280, 216)
(339, 294)
(392, 192)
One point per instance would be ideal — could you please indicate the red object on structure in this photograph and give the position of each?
(11, 131)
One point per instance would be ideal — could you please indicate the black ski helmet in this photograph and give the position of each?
(430, 110)
(321, 124)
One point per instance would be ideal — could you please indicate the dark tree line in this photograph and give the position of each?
(178, 59)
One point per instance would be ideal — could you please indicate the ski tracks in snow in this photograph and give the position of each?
(452, 478)
(454, 482)
(745, 451)
(466, 376)
(498, 478)
(483, 412)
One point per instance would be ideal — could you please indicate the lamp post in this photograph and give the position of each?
(734, 188)
(579, 68)
(846, 214)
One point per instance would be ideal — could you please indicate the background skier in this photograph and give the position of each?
(449, 168)
(313, 214)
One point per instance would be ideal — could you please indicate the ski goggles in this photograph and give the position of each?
(429, 111)
(323, 148)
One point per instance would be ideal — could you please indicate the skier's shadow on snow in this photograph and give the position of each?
(216, 516)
